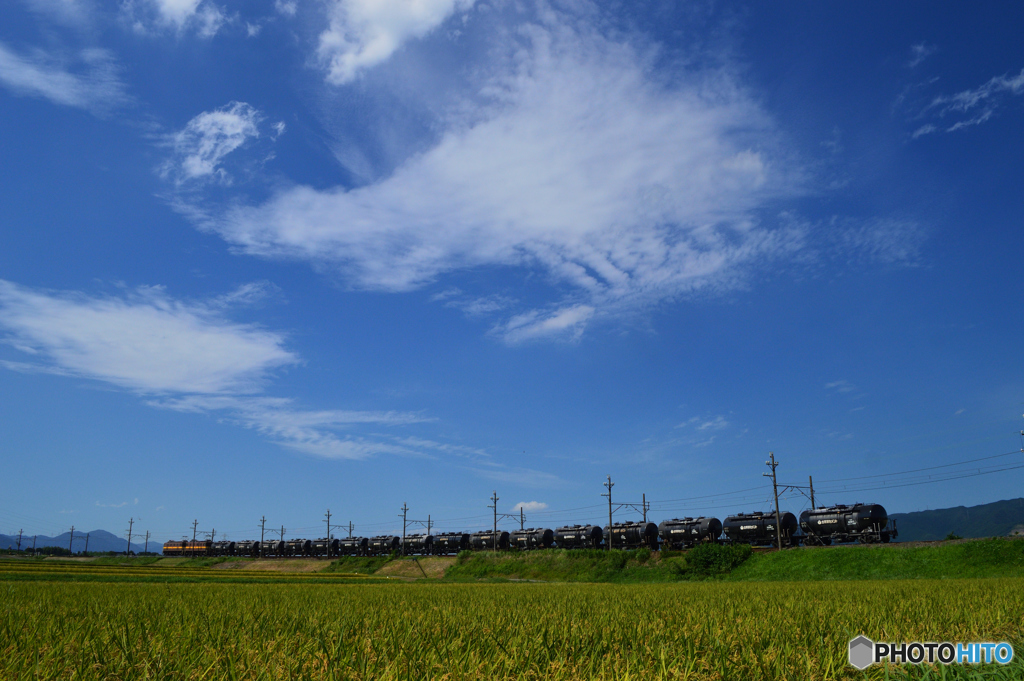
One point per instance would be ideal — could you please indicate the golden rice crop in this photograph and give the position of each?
(778, 630)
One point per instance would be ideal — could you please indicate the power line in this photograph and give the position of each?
(927, 468)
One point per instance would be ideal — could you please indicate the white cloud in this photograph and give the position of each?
(202, 145)
(840, 386)
(717, 423)
(529, 506)
(882, 240)
(202, 16)
(144, 341)
(364, 33)
(977, 104)
(920, 52)
(628, 189)
(189, 358)
(308, 431)
(74, 13)
(286, 7)
(95, 88)
(567, 323)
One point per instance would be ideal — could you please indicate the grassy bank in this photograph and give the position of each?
(982, 558)
(622, 567)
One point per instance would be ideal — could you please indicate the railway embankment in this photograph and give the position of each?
(960, 559)
(978, 558)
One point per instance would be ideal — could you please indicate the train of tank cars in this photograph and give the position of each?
(864, 523)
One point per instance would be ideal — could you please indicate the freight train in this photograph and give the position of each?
(864, 523)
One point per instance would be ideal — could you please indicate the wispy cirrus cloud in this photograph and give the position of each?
(918, 53)
(72, 13)
(202, 145)
(623, 189)
(364, 33)
(971, 107)
(89, 80)
(203, 17)
(313, 432)
(144, 341)
(188, 356)
(887, 240)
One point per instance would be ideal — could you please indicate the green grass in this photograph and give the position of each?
(470, 632)
(983, 558)
(621, 567)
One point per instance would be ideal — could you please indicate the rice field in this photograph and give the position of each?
(348, 630)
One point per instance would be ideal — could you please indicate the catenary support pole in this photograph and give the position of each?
(328, 514)
(405, 511)
(773, 464)
(494, 507)
(609, 542)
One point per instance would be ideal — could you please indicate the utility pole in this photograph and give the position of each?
(494, 507)
(643, 504)
(328, 533)
(428, 523)
(263, 524)
(350, 529)
(609, 485)
(213, 534)
(810, 481)
(195, 524)
(521, 519)
(87, 543)
(128, 549)
(146, 549)
(282, 533)
(19, 539)
(405, 511)
(72, 538)
(773, 464)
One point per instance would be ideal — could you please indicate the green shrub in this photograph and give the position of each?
(716, 559)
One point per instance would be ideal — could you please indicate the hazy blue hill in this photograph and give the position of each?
(99, 541)
(997, 519)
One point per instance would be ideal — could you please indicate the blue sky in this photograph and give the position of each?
(270, 258)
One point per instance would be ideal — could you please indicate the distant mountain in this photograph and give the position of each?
(998, 519)
(99, 541)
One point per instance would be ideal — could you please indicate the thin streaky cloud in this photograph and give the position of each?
(95, 86)
(920, 52)
(321, 433)
(628, 190)
(364, 33)
(978, 104)
(145, 341)
(202, 145)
